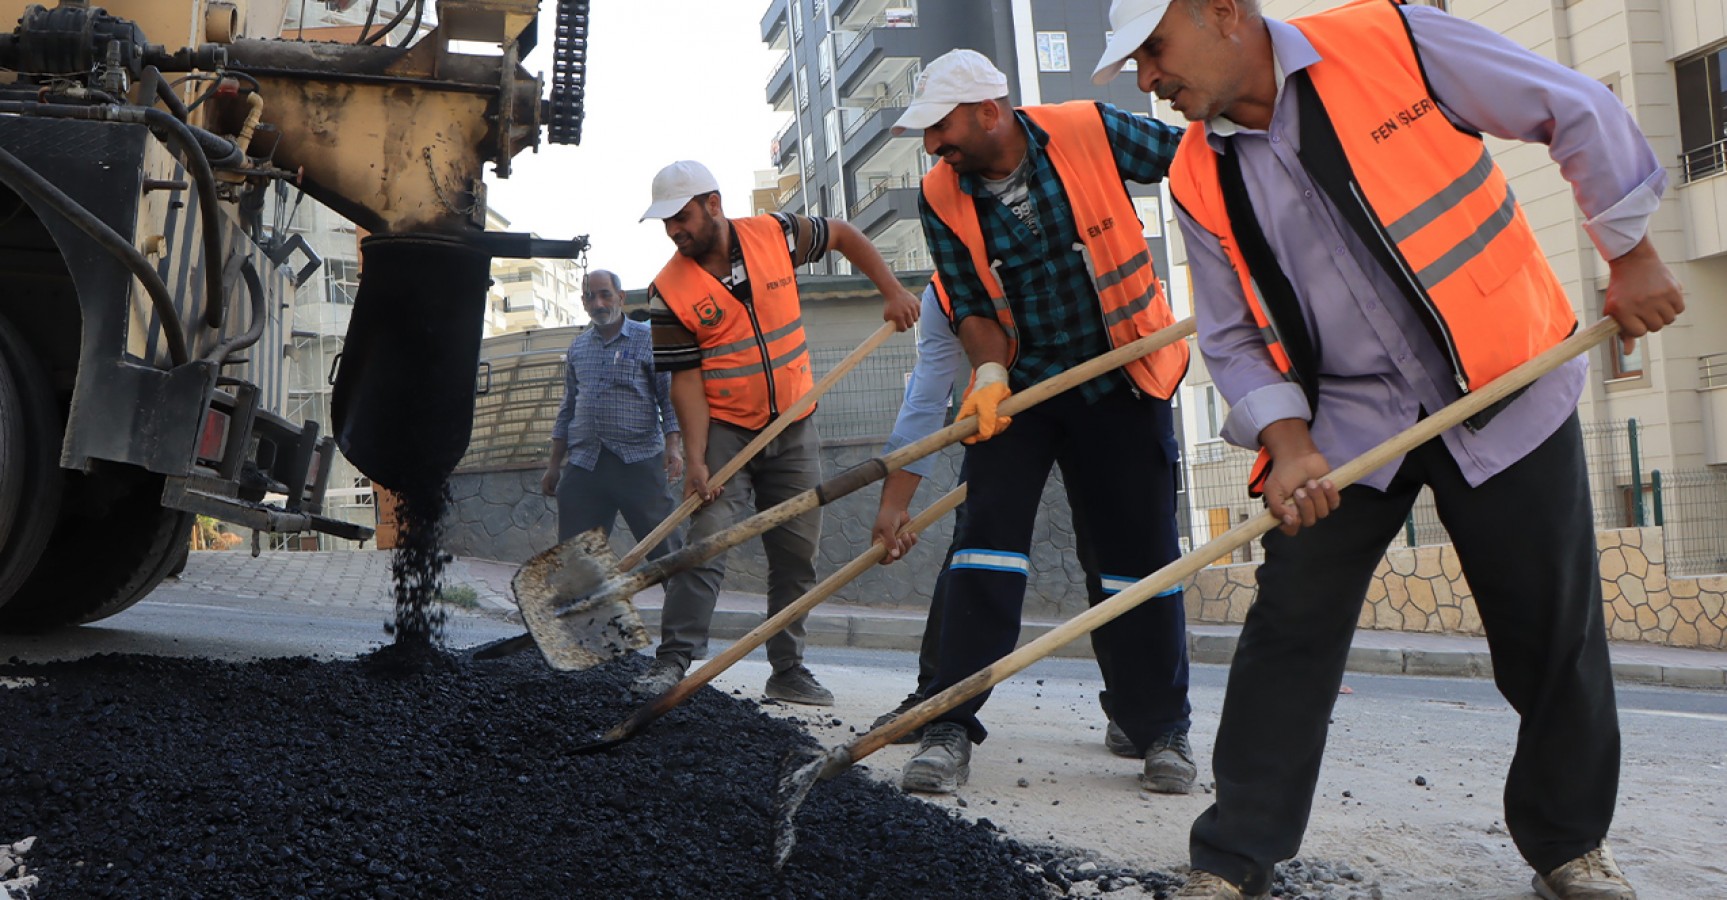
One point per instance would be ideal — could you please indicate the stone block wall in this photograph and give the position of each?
(1423, 589)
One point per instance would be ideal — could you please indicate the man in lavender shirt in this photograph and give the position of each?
(1511, 490)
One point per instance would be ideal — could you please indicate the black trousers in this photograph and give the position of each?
(1121, 482)
(1526, 540)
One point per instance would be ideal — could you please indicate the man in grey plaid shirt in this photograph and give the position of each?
(615, 443)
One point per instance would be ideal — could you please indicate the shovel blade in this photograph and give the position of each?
(591, 632)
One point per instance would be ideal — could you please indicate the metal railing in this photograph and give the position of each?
(864, 404)
(1691, 509)
(1702, 162)
(885, 185)
(1712, 371)
(779, 148)
(897, 100)
(864, 30)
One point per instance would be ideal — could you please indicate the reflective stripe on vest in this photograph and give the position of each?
(1116, 258)
(1439, 206)
(741, 344)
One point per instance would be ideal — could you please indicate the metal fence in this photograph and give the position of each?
(863, 405)
(1218, 476)
(1691, 508)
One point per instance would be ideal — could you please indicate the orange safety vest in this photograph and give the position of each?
(1116, 256)
(1424, 196)
(755, 361)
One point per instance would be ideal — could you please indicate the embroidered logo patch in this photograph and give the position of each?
(709, 313)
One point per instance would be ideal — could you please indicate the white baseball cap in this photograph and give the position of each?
(1132, 21)
(955, 77)
(675, 185)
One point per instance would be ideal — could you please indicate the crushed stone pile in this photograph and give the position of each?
(394, 777)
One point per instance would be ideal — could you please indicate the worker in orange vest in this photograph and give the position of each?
(728, 326)
(1358, 262)
(1044, 260)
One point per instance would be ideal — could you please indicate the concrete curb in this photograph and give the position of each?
(1211, 645)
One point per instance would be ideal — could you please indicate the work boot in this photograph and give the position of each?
(1117, 742)
(943, 760)
(797, 685)
(1592, 876)
(910, 737)
(1206, 886)
(1169, 767)
(661, 676)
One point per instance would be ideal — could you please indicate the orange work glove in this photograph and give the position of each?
(988, 390)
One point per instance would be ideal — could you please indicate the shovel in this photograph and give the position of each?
(576, 599)
(799, 776)
(607, 635)
(666, 702)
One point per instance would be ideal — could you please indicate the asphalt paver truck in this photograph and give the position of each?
(147, 279)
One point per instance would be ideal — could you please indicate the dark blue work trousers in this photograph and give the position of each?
(1121, 479)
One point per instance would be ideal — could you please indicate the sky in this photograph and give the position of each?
(666, 80)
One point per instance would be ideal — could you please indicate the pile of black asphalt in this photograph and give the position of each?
(430, 774)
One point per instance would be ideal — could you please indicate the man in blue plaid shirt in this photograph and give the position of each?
(615, 443)
(1036, 241)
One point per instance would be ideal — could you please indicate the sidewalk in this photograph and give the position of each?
(835, 624)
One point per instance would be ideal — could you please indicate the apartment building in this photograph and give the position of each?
(1667, 61)
(847, 72)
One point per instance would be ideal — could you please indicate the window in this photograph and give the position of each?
(1052, 51)
(343, 277)
(797, 18)
(1211, 414)
(809, 151)
(1128, 65)
(1622, 364)
(803, 88)
(831, 129)
(1702, 83)
(1150, 211)
(837, 200)
(826, 70)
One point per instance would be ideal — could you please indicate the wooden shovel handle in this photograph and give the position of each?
(737, 462)
(878, 468)
(1173, 574)
(777, 622)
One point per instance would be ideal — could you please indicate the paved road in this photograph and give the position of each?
(1442, 839)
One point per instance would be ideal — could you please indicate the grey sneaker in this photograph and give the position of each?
(943, 760)
(1169, 767)
(1119, 743)
(910, 737)
(1206, 886)
(797, 685)
(660, 677)
(1592, 876)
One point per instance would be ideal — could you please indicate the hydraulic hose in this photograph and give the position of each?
(25, 180)
(255, 289)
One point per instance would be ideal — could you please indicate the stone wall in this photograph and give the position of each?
(499, 513)
(1423, 589)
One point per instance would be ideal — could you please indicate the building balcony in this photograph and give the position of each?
(873, 126)
(851, 15)
(784, 147)
(780, 80)
(889, 201)
(872, 47)
(1703, 198)
(774, 20)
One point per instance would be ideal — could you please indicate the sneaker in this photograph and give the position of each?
(910, 737)
(1206, 886)
(1169, 767)
(943, 760)
(1592, 876)
(797, 685)
(661, 676)
(1119, 743)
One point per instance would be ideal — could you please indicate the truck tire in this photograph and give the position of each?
(114, 544)
(30, 476)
